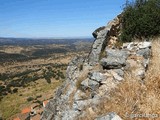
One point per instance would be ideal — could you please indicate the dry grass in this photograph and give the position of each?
(82, 76)
(132, 97)
(13, 103)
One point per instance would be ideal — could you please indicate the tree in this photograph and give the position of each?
(141, 19)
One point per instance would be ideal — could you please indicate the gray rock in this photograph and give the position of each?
(84, 84)
(80, 104)
(93, 84)
(146, 53)
(117, 77)
(68, 115)
(95, 33)
(110, 116)
(117, 53)
(99, 44)
(113, 62)
(120, 72)
(145, 63)
(140, 73)
(130, 46)
(72, 69)
(143, 45)
(125, 45)
(97, 47)
(79, 95)
(97, 76)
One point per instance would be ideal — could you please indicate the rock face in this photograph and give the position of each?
(102, 36)
(113, 62)
(90, 80)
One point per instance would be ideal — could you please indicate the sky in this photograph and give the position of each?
(55, 18)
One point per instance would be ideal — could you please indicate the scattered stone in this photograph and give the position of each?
(146, 53)
(145, 63)
(120, 72)
(84, 84)
(116, 76)
(97, 76)
(140, 73)
(130, 46)
(93, 84)
(143, 45)
(110, 116)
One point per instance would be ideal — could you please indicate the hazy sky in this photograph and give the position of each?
(55, 18)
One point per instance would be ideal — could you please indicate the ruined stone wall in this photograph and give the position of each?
(87, 87)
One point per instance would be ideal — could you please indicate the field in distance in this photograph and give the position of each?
(30, 70)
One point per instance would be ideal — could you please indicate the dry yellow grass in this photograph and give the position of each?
(133, 97)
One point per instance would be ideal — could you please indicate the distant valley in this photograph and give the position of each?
(30, 68)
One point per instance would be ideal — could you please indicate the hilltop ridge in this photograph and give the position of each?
(92, 81)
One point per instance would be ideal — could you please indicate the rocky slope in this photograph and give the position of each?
(90, 79)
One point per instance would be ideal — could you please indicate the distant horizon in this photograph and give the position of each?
(55, 18)
(80, 37)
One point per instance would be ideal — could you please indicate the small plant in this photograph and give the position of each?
(118, 44)
(30, 99)
(102, 54)
(81, 67)
(15, 90)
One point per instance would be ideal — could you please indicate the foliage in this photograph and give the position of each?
(81, 67)
(30, 99)
(15, 90)
(141, 19)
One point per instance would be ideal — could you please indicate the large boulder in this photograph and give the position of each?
(116, 53)
(96, 32)
(113, 62)
(101, 36)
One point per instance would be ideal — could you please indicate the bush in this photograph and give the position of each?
(141, 19)
(30, 99)
(15, 90)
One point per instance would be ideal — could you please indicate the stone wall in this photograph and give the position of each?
(89, 80)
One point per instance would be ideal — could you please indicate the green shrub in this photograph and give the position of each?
(15, 90)
(30, 99)
(81, 67)
(140, 19)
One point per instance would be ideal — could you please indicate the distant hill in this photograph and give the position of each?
(40, 41)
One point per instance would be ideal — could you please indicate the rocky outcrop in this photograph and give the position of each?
(103, 36)
(59, 107)
(90, 80)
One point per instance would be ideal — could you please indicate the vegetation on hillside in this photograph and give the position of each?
(12, 82)
(141, 19)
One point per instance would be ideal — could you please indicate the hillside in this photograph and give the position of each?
(29, 71)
